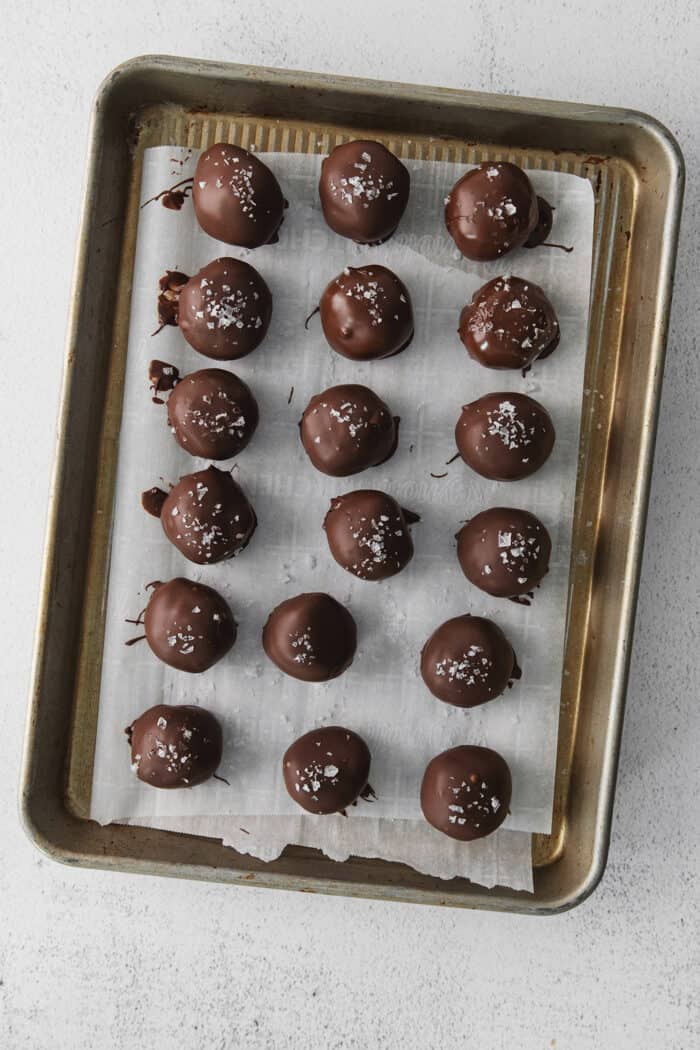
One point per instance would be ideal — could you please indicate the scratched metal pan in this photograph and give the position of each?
(636, 170)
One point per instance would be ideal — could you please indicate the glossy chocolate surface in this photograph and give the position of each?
(175, 746)
(509, 323)
(224, 311)
(188, 625)
(364, 190)
(212, 414)
(346, 429)
(491, 210)
(311, 637)
(504, 551)
(468, 661)
(505, 437)
(368, 534)
(366, 313)
(466, 792)
(237, 198)
(327, 770)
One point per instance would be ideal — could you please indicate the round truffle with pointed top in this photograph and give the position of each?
(327, 770)
(175, 746)
(466, 792)
(188, 625)
(505, 437)
(366, 313)
(368, 534)
(236, 197)
(364, 191)
(510, 323)
(207, 516)
(224, 311)
(311, 637)
(468, 661)
(346, 429)
(504, 551)
(212, 414)
(491, 210)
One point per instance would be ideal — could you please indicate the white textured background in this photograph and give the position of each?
(95, 960)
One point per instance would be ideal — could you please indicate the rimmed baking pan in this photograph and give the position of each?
(636, 171)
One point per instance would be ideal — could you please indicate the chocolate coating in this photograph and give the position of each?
(188, 625)
(505, 436)
(466, 792)
(327, 770)
(468, 661)
(173, 747)
(491, 210)
(224, 310)
(207, 516)
(367, 532)
(212, 414)
(237, 199)
(509, 323)
(311, 637)
(346, 429)
(366, 313)
(504, 552)
(364, 191)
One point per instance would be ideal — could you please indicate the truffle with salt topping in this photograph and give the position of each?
(311, 637)
(366, 313)
(504, 551)
(364, 191)
(346, 429)
(237, 198)
(327, 770)
(188, 625)
(491, 210)
(368, 534)
(466, 792)
(224, 311)
(175, 746)
(505, 437)
(510, 323)
(468, 661)
(212, 414)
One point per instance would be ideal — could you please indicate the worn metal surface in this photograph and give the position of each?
(637, 175)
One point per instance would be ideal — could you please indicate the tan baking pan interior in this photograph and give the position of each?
(636, 171)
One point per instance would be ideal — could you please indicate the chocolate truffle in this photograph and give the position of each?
(311, 637)
(491, 210)
(366, 313)
(346, 429)
(225, 309)
(207, 516)
(174, 747)
(236, 197)
(364, 191)
(504, 552)
(505, 436)
(466, 792)
(367, 532)
(467, 661)
(509, 323)
(327, 770)
(188, 625)
(212, 414)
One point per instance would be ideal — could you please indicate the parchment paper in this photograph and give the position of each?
(382, 695)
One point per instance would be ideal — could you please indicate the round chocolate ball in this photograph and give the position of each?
(173, 747)
(504, 552)
(236, 197)
(491, 210)
(346, 429)
(505, 436)
(509, 323)
(224, 310)
(466, 792)
(311, 637)
(367, 533)
(468, 661)
(207, 516)
(212, 414)
(188, 625)
(327, 770)
(364, 191)
(366, 313)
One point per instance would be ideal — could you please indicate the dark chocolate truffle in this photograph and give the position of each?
(327, 770)
(364, 191)
(367, 532)
(188, 625)
(311, 637)
(466, 792)
(509, 323)
(467, 661)
(504, 552)
(225, 309)
(366, 313)
(491, 210)
(212, 414)
(505, 436)
(207, 516)
(236, 197)
(174, 747)
(346, 429)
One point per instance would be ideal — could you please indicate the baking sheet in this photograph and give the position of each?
(382, 695)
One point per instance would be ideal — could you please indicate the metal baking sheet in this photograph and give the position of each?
(637, 174)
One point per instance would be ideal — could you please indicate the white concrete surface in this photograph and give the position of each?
(95, 960)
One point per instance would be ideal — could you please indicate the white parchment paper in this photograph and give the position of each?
(382, 695)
